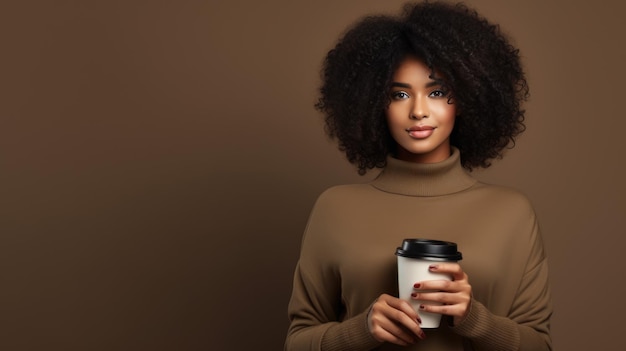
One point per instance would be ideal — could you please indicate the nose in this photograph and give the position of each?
(420, 108)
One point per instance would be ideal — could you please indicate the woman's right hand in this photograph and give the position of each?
(393, 320)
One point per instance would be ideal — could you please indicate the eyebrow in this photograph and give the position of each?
(401, 85)
(408, 86)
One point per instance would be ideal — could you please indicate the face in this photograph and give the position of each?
(421, 115)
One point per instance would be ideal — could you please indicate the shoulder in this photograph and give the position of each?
(334, 210)
(503, 197)
(341, 199)
(343, 193)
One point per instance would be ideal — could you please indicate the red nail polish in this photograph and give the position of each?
(417, 285)
(413, 295)
(422, 307)
(433, 267)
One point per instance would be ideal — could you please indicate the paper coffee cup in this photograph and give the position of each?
(414, 258)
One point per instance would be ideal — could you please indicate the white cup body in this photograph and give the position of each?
(411, 271)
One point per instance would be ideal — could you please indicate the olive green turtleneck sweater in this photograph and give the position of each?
(347, 260)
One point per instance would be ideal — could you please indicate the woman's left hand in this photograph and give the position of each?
(454, 295)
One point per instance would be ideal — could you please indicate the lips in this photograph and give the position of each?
(420, 132)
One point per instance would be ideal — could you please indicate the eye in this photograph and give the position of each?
(399, 95)
(438, 93)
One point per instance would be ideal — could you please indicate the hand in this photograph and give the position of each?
(393, 320)
(455, 295)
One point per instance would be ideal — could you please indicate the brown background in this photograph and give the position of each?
(158, 160)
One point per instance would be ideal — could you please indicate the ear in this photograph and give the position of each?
(457, 109)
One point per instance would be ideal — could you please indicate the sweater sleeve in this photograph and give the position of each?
(315, 309)
(526, 327)
(314, 320)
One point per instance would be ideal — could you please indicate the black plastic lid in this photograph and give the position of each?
(427, 248)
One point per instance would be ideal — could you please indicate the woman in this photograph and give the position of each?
(426, 97)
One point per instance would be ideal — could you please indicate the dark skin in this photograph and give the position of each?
(395, 321)
(390, 318)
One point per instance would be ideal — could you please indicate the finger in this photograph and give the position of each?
(443, 297)
(385, 336)
(439, 285)
(453, 269)
(439, 297)
(403, 314)
(405, 307)
(397, 333)
(451, 310)
(388, 323)
(452, 304)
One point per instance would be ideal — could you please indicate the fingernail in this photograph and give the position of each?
(417, 285)
(422, 334)
(413, 295)
(419, 320)
(422, 307)
(433, 267)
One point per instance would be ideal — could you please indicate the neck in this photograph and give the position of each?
(439, 155)
(424, 179)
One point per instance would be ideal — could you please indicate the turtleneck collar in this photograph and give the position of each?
(424, 179)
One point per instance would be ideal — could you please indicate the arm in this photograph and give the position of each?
(388, 319)
(527, 325)
(315, 308)
(314, 314)
(318, 314)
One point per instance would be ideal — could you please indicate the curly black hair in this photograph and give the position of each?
(479, 65)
